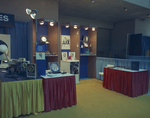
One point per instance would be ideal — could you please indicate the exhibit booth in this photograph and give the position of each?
(51, 61)
(49, 64)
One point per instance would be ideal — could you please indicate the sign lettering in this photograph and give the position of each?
(6, 20)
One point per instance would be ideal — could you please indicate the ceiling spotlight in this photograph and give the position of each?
(86, 28)
(67, 26)
(28, 11)
(41, 22)
(93, 28)
(125, 9)
(75, 26)
(51, 23)
(33, 15)
(32, 12)
(92, 1)
(148, 15)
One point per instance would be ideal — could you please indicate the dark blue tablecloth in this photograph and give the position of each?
(19, 78)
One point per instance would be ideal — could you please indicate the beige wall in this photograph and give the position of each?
(119, 37)
(46, 8)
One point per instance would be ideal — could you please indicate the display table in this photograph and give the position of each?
(59, 91)
(127, 82)
(20, 97)
(71, 66)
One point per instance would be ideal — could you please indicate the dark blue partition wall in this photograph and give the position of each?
(65, 31)
(83, 59)
(83, 67)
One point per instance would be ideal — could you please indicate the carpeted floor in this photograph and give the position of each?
(94, 101)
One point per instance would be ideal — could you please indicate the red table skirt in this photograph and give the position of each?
(128, 83)
(59, 92)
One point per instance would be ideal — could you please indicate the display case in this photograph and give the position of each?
(72, 33)
(88, 52)
(51, 47)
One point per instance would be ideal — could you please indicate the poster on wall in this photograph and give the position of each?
(40, 55)
(5, 46)
(64, 55)
(65, 43)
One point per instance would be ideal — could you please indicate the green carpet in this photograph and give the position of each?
(94, 101)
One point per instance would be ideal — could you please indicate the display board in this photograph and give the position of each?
(5, 41)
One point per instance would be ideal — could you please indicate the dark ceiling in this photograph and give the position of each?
(102, 10)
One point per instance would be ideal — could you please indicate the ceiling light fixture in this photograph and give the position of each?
(92, 1)
(86, 28)
(51, 23)
(67, 26)
(148, 15)
(41, 22)
(75, 26)
(93, 28)
(125, 9)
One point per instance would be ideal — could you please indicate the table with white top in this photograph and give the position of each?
(59, 91)
(128, 82)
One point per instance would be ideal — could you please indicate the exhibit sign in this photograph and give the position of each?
(65, 43)
(7, 20)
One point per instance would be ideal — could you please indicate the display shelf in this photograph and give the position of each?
(48, 55)
(87, 60)
(51, 32)
(87, 55)
(74, 34)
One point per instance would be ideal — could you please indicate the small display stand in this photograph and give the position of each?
(71, 66)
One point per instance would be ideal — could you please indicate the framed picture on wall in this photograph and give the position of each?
(64, 55)
(65, 43)
(72, 54)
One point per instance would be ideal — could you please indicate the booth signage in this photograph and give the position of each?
(7, 20)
